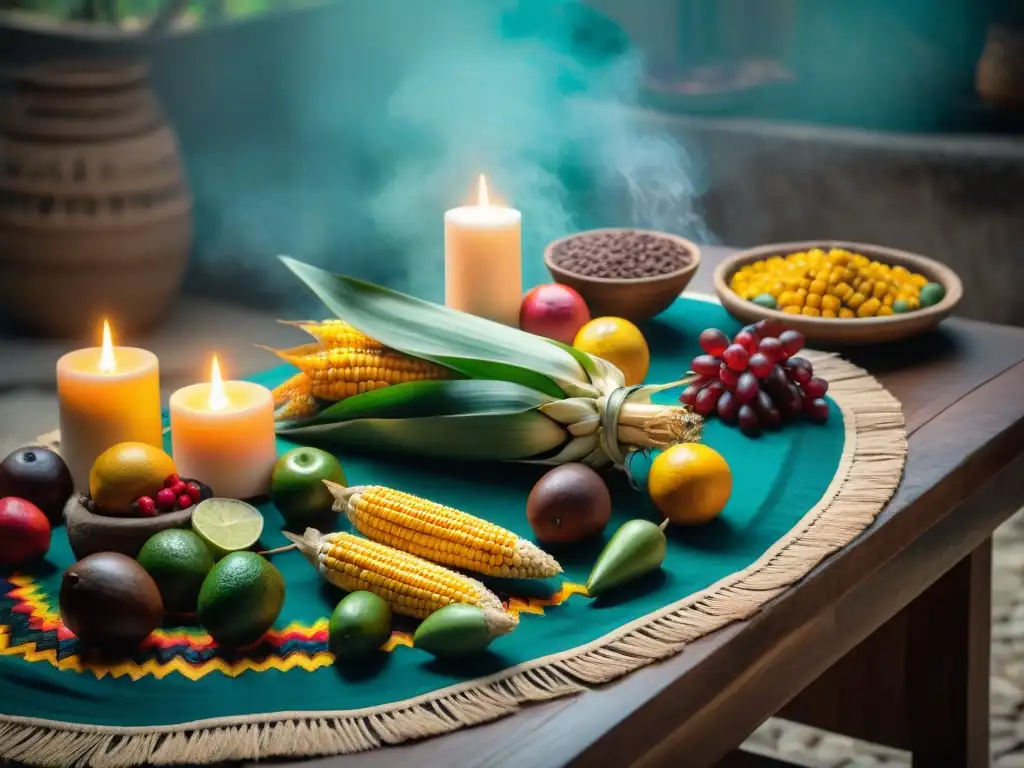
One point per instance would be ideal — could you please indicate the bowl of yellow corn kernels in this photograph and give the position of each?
(838, 292)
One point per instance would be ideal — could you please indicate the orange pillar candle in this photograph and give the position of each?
(222, 433)
(106, 395)
(483, 260)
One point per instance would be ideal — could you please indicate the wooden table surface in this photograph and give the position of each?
(962, 390)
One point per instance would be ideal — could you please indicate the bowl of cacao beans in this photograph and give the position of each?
(631, 273)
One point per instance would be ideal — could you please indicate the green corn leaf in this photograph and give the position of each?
(603, 375)
(430, 398)
(473, 346)
(511, 436)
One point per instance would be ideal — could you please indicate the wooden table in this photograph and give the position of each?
(887, 640)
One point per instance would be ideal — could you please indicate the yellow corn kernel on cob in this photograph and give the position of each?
(411, 585)
(439, 533)
(294, 399)
(335, 333)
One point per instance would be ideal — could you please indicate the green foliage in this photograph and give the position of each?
(121, 11)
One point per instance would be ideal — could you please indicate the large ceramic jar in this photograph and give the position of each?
(95, 211)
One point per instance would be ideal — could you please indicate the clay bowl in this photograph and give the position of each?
(636, 299)
(89, 533)
(868, 330)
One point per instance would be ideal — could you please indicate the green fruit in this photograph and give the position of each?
(458, 629)
(636, 549)
(360, 625)
(178, 561)
(227, 525)
(240, 599)
(932, 294)
(900, 306)
(297, 488)
(766, 300)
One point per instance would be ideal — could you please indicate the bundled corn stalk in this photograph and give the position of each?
(423, 379)
(410, 585)
(441, 534)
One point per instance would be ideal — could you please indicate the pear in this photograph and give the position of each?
(460, 629)
(636, 549)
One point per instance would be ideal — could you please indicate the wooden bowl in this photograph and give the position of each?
(867, 330)
(636, 299)
(89, 533)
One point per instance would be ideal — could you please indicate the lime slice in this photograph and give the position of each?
(227, 525)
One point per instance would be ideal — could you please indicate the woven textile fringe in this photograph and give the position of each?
(869, 472)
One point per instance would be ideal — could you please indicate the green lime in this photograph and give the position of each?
(240, 599)
(458, 629)
(360, 625)
(900, 306)
(227, 525)
(178, 561)
(297, 487)
(932, 294)
(766, 300)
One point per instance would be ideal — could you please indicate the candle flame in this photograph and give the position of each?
(218, 399)
(108, 363)
(483, 199)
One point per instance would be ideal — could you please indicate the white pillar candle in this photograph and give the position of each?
(106, 395)
(222, 434)
(483, 260)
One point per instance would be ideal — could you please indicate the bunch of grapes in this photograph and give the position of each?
(756, 381)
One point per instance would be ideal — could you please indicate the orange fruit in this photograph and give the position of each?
(126, 471)
(620, 343)
(690, 483)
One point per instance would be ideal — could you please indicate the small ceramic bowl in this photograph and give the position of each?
(861, 330)
(635, 299)
(89, 533)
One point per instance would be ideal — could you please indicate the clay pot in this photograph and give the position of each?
(95, 211)
(89, 533)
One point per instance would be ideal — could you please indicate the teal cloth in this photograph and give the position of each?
(777, 479)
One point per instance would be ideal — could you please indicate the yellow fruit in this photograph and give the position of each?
(126, 471)
(619, 342)
(690, 483)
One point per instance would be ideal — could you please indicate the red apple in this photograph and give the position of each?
(553, 310)
(24, 532)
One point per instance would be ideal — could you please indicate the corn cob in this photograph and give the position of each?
(412, 586)
(293, 399)
(439, 533)
(335, 333)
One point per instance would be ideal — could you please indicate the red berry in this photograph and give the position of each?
(760, 365)
(747, 340)
(728, 376)
(736, 357)
(24, 532)
(792, 342)
(707, 398)
(766, 411)
(179, 488)
(769, 329)
(194, 491)
(815, 387)
(713, 341)
(689, 396)
(816, 410)
(749, 423)
(171, 481)
(800, 370)
(776, 382)
(146, 506)
(728, 406)
(772, 349)
(705, 365)
(184, 501)
(747, 387)
(165, 500)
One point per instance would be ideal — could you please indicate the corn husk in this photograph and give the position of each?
(516, 397)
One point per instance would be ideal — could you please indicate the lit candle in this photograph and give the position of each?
(106, 395)
(483, 259)
(222, 434)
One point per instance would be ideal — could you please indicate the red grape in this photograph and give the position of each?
(792, 341)
(705, 365)
(707, 398)
(760, 365)
(747, 340)
(769, 329)
(772, 349)
(728, 406)
(816, 410)
(815, 387)
(728, 376)
(736, 357)
(748, 420)
(752, 328)
(689, 396)
(776, 382)
(800, 370)
(767, 413)
(747, 387)
(790, 401)
(713, 341)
